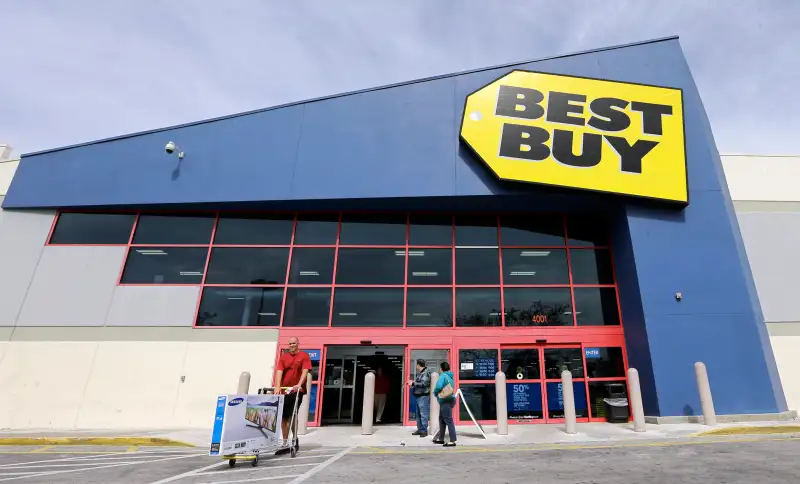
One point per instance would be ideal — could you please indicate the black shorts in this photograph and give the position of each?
(288, 404)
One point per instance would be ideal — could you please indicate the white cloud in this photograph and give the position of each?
(82, 70)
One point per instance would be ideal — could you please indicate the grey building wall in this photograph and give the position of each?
(23, 234)
(62, 286)
(153, 306)
(771, 233)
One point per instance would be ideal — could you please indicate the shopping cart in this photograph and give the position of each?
(292, 444)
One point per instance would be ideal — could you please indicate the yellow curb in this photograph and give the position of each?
(756, 430)
(104, 441)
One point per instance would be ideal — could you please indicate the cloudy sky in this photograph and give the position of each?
(80, 70)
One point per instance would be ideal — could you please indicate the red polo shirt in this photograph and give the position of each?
(292, 366)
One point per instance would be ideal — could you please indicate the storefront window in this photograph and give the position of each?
(174, 229)
(591, 266)
(93, 228)
(478, 307)
(604, 362)
(236, 306)
(367, 307)
(416, 270)
(248, 266)
(538, 306)
(521, 364)
(429, 307)
(430, 267)
(432, 229)
(371, 266)
(316, 229)
(535, 267)
(477, 364)
(369, 229)
(165, 265)
(596, 306)
(531, 230)
(557, 360)
(481, 400)
(246, 229)
(312, 266)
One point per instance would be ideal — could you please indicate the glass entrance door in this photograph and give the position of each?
(339, 390)
(433, 357)
(534, 388)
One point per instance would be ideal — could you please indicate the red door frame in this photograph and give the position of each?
(454, 339)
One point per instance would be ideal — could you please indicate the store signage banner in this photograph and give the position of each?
(582, 133)
(246, 423)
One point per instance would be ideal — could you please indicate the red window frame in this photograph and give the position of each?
(453, 286)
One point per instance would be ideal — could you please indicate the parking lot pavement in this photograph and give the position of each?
(731, 461)
(104, 465)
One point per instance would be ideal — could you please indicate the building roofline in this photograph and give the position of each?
(349, 93)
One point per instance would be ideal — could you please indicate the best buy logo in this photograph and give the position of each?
(581, 133)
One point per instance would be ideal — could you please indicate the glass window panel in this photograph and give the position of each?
(429, 307)
(373, 229)
(481, 400)
(557, 360)
(596, 306)
(522, 364)
(312, 266)
(307, 306)
(165, 265)
(368, 307)
(478, 307)
(532, 266)
(174, 229)
(600, 390)
(430, 266)
(312, 403)
(93, 228)
(431, 230)
(539, 306)
(321, 229)
(477, 364)
(247, 266)
(371, 266)
(477, 266)
(532, 230)
(524, 401)
(591, 266)
(587, 231)
(555, 400)
(480, 230)
(604, 362)
(246, 229)
(240, 306)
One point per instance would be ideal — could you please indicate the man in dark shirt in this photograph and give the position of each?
(421, 388)
(292, 371)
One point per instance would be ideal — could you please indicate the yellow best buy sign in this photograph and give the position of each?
(580, 133)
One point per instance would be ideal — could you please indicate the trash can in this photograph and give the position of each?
(616, 404)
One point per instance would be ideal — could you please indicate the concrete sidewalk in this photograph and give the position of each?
(395, 435)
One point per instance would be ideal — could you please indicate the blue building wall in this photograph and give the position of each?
(398, 148)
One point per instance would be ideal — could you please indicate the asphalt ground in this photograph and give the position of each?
(721, 460)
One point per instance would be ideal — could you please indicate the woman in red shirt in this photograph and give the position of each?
(381, 391)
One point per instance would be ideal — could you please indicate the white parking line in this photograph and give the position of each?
(270, 478)
(188, 473)
(322, 466)
(85, 469)
(217, 473)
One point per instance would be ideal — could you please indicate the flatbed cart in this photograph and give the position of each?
(293, 444)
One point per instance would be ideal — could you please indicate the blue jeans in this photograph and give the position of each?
(423, 410)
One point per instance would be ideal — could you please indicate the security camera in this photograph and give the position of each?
(171, 147)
